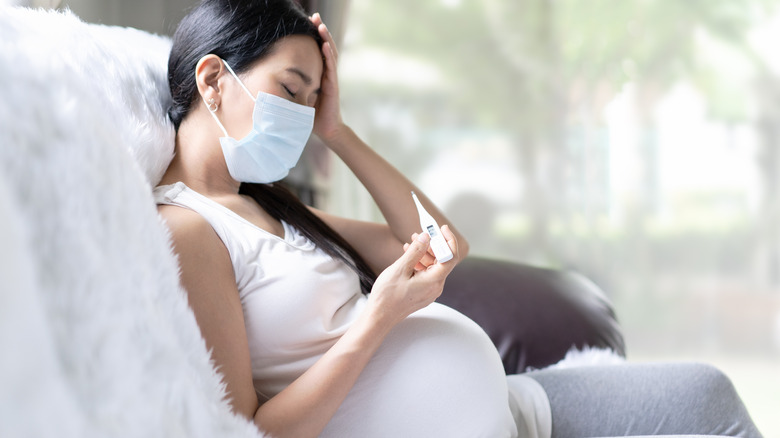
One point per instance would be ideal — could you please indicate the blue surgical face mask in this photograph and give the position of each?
(280, 129)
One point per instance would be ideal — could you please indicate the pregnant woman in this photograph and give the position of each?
(321, 325)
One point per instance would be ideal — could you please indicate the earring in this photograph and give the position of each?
(211, 103)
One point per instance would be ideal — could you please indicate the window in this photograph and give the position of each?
(632, 141)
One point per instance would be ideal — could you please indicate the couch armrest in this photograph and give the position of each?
(532, 315)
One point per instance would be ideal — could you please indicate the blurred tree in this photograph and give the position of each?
(539, 68)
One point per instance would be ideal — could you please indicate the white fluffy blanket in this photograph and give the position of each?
(96, 339)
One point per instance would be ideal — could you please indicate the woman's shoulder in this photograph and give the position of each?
(190, 232)
(179, 218)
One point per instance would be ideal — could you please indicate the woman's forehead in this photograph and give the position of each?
(299, 53)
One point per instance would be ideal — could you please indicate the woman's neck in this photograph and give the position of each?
(199, 163)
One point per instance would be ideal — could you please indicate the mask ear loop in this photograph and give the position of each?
(210, 103)
(213, 107)
(239, 81)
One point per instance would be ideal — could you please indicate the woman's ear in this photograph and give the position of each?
(207, 73)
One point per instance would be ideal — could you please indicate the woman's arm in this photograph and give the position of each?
(206, 274)
(381, 244)
(389, 188)
(304, 408)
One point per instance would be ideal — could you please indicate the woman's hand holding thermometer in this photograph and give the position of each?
(438, 244)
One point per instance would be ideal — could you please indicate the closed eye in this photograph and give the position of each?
(288, 91)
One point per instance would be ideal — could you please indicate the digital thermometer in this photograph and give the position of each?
(439, 246)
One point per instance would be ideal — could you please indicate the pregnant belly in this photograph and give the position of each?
(436, 374)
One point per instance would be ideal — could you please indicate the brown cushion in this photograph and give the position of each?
(533, 315)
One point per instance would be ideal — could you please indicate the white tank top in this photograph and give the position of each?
(436, 374)
(288, 325)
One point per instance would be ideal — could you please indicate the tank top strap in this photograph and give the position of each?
(180, 195)
(225, 221)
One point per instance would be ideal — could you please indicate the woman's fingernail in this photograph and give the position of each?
(423, 237)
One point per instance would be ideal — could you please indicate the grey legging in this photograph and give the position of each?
(644, 399)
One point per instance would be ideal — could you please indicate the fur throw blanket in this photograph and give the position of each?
(96, 338)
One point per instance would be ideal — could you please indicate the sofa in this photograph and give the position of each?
(95, 332)
(534, 316)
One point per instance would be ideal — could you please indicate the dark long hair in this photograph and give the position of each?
(242, 32)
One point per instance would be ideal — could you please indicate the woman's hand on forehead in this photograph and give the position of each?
(327, 122)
